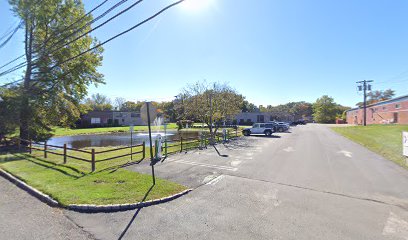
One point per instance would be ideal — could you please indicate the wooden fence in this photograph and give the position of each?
(45, 148)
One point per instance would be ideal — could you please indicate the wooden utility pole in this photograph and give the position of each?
(364, 87)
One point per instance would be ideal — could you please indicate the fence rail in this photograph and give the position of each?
(169, 147)
(28, 144)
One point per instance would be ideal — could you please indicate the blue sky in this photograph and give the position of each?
(271, 51)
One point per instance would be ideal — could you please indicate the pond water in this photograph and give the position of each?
(115, 139)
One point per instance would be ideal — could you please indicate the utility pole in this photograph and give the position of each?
(364, 87)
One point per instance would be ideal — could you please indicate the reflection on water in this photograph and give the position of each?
(114, 139)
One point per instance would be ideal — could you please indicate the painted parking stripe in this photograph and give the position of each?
(207, 165)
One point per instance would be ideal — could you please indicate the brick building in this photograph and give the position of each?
(390, 111)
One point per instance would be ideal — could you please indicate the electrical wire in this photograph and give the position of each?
(64, 30)
(110, 39)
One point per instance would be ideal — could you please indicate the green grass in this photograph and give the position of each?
(81, 131)
(385, 140)
(73, 183)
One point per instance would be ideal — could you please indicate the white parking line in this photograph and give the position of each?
(215, 180)
(207, 165)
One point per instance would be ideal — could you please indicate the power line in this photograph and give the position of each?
(11, 35)
(50, 37)
(112, 38)
(120, 34)
(97, 27)
(21, 65)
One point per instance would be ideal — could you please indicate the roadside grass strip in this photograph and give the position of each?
(74, 183)
(385, 140)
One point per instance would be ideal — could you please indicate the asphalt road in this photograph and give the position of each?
(307, 184)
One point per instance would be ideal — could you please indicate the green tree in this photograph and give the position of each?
(378, 96)
(211, 104)
(99, 102)
(325, 110)
(8, 120)
(248, 107)
(53, 87)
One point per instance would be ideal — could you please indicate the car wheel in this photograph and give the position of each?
(247, 133)
(280, 129)
(268, 133)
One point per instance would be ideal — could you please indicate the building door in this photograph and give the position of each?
(395, 117)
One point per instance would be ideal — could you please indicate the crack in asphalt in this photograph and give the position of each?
(90, 235)
(404, 207)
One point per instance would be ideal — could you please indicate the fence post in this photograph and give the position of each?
(65, 153)
(93, 160)
(144, 150)
(45, 149)
(30, 146)
(181, 144)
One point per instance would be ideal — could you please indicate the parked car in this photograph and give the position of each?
(299, 122)
(260, 128)
(281, 126)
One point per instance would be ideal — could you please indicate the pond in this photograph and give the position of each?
(115, 139)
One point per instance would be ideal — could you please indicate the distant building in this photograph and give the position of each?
(110, 118)
(248, 118)
(390, 111)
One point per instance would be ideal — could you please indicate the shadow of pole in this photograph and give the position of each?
(134, 215)
(219, 154)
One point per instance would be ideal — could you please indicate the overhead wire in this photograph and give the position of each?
(112, 38)
(64, 30)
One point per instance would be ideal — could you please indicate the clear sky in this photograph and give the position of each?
(271, 51)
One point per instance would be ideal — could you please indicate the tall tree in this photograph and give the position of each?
(210, 103)
(53, 86)
(325, 110)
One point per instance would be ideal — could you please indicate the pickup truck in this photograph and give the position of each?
(260, 128)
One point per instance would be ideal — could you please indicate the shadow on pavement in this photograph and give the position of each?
(134, 215)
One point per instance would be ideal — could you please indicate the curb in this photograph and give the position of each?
(85, 208)
(32, 191)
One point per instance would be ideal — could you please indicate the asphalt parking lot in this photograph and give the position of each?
(310, 183)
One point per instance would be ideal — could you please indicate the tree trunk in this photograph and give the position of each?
(25, 107)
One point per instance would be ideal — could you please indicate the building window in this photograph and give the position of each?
(123, 120)
(95, 120)
(260, 118)
(397, 106)
(135, 115)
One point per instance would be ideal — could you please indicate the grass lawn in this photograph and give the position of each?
(385, 140)
(68, 131)
(74, 183)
